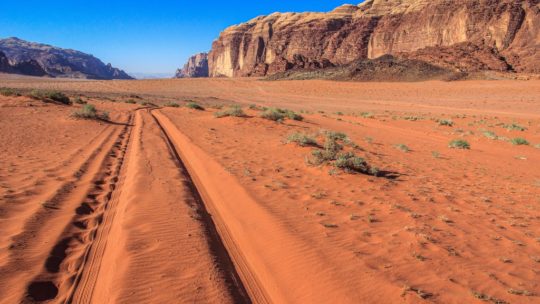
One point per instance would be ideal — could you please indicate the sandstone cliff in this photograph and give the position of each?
(464, 35)
(196, 66)
(31, 57)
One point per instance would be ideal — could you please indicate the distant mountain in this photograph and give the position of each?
(150, 75)
(196, 66)
(35, 59)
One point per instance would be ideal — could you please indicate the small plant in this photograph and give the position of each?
(490, 135)
(171, 104)
(518, 141)
(130, 101)
(273, 114)
(446, 122)
(48, 96)
(515, 127)
(459, 144)
(367, 115)
(195, 106)
(302, 139)
(79, 100)
(435, 154)
(89, 111)
(148, 104)
(235, 111)
(403, 148)
(9, 92)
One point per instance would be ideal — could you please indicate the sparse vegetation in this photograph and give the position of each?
(171, 104)
(50, 96)
(518, 141)
(148, 104)
(435, 154)
(459, 144)
(403, 148)
(279, 115)
(89, 111)
(446, 122)
(9, 92)
(302, 139)
(234, 111)
(130, 101)
(79, 100)
(490, 135)
(195, 106)
(515, 127)
(367, 115)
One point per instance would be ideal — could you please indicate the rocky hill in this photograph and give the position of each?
(37, 59)
(196, 66)
(459, 35)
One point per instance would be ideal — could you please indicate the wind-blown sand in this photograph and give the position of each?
(174, 205)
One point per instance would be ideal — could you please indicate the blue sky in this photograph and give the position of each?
(138, 36)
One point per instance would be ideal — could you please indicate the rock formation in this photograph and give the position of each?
(464, 35)
(28, 58)
(30, 67)
(196, 66)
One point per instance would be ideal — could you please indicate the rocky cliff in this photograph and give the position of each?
(30, 67)
(196, 66)
(36, 59)
(464, 35)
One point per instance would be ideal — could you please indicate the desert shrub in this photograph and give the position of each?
(195, 106)
(302, 139)
(279, 115)
(148, 104)
(172, 105)
(446, 122)
(79, 100)
(89, 111)
(9, 92)
(130, 101)
(403, 148)
(48, 96)
(234, 111)
(537, 146)
(515, 127)
(490, 135)
(459, 144)
(367, 115)
(412, 118)
(518, 141)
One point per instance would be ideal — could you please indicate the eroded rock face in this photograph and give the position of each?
(30, 67)
(196, 66)
(501, 34)
(56, 62)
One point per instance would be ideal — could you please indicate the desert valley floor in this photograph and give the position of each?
(166, 204)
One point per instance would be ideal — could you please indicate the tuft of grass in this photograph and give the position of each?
(302, 139)
(89, 111)
(459, 144)
(234, 111)
(403, 148)
(9, 92)
(277, 114)
(435, 154)
(519, 292)
(130, 101)
(367, 115)
(515, 127)
(518, 141)
(490, 135)
(446, 122)
(171, 104)
(79, 100)
(48, 96)
(195, 106)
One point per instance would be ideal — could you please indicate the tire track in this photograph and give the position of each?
(215, 242)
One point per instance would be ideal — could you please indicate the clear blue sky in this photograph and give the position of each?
(138, 36)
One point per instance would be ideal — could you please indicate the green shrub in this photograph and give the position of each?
(9, 92)
(518, 141)
(195, 106)
(89, 111)
(446, 122)
(490, 135)
(403, 148)
(79, 100)
(279, 115)
(459, 144)
(302, 139)
(130, 101)
(367, 115)
(234, 111)
(48, 96)
(172, 105)
(515, 127)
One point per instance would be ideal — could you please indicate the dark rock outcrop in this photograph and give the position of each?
(55, 62)
(196, 66)
(465, 35)
(30, 67)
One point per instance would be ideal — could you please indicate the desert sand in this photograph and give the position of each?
(174, 205)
